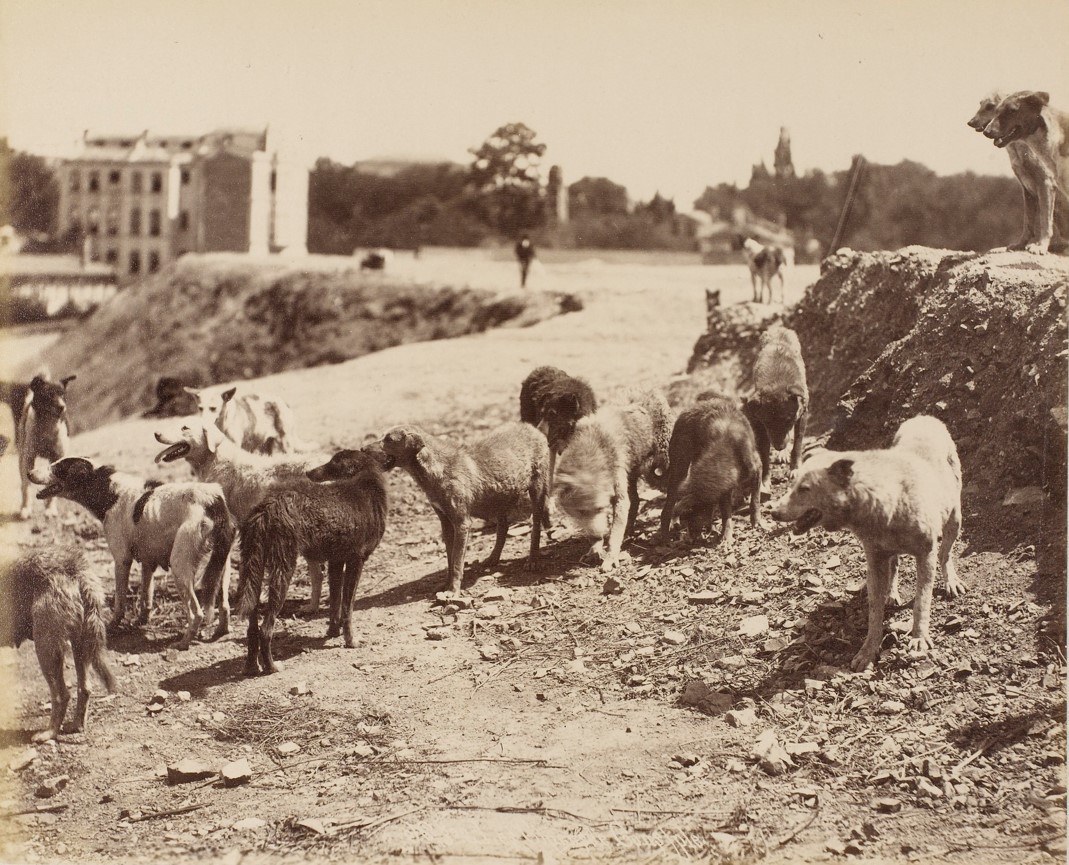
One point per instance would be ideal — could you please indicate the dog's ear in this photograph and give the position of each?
(67, 380)
(841, 471)
(228, 394)
(1037, 98)
(192, 391)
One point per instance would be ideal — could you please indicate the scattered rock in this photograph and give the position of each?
(314, 825)
(497, 595)
(751, 626)
(188, 770)
(703, 698)
(732, 662)
(300, 689)
(159, 697)
(17, 764)
(236, 773)
(709, 596)
(183, 696)
(51, 786)
(489, 652)
(674, 638)
(1024, 497)
(612, 587)
(771, 755)
(488, 611)
(248, 824)
(688, 759)
(437, 634)
(741, 717)
(887, 806)
(287, 748)
(131, 661)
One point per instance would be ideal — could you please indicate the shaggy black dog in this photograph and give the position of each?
(553, 401)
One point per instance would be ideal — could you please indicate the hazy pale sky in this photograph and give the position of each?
(670, 95)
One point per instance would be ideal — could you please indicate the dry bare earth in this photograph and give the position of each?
(405, 742)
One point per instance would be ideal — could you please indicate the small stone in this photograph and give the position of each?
(159, 697)
(236, 772)
(287, 748)
(927, 788)
(892, 707)
(887, 806)
(437, 635)
(795, 748)
(741, 717)
(770, 754)
(674, 638)
(489, 652)
(497, 595)
(300, 689)
(706, 597)
(131, 661)
(364, 750)
(188, 770)
(732, 662)
(703, 698)
(488, 611)
(51, 786)
(17, 764)
(834, 845)
(218, 717)
(751, 626)
(612, 586)
(735, 765)
(248, 824)
(1024, 497)
(833, 562)
(183, 696)
(688, 759)
(575, 666)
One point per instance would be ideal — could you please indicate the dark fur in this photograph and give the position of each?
(711, 455)
(340, 521)
(780, 402)
(552, 397)
(51, 599)
(172, 398)
(15, 395)
(500, 477)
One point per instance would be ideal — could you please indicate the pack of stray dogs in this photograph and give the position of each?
(255, 480)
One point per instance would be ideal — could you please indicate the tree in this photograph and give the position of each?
(29, 194)
(506, 179)
(596, 196)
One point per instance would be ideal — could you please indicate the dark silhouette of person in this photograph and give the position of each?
(525, 253)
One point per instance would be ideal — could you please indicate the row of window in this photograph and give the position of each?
(155, 221)
(133, 263)
(114, 178)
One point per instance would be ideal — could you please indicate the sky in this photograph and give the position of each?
(666, 96)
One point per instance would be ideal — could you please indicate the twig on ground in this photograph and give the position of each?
(170, 812)
(44, 809)
(797, 831)
(545, 812)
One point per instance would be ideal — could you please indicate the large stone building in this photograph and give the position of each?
(141, 201)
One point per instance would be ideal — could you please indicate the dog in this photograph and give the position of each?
(712, 454)
(597, 475)
(780, 402)
(173, 399)
(41, 430)
(903, 500)
(340, 519)
(501, 477)
(1027, 117)
(52, 599)
(553, 401)
(765, 262)
(182, 527)
(246, 478)
(258, 423)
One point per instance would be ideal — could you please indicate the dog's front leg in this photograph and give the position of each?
(460, 546)
(25, 467)
(920, 641)
(447, 539)
(1044, 218)
(796, 445)
(148, 593)
(122, 585)
(315, 577)
(539, 493)
(1029, 230)
(879, 564)
(335, 573)
(619, 526)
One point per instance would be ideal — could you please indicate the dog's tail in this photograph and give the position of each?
(221, 538)
(269, 547)
(93, 637)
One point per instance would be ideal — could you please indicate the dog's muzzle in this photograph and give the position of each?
(49, 491)
(172, 452)
(806, 521)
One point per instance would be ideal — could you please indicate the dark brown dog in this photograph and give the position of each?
(500, 477)
(780, 402)
(50, 598)
(553, 401)
(712, 454)
(172, 398)
(340, 520)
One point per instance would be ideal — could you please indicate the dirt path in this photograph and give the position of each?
(543, 724)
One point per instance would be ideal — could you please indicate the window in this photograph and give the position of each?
(94, 181)
(154, 223)
(135, 262)
(185, 177)
(113, 221)
(153, 262)
(183, 220)
(135, 181)
(93, 220)
(157, 181)
(135, 221)
(75, 180)
(112, 256)
(113, 178)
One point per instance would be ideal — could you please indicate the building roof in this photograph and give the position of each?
(164, 149)
(44, 266)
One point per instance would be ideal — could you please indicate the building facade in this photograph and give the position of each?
(142, 201)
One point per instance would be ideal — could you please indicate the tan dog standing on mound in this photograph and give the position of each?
(905, 499)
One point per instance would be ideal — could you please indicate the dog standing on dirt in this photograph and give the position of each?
(50, 598)
(501, 477)
(259, 423)
(596, 483)
(182, 527)
(780, 402)
(712, 455)
(246, 478)
(41, 431)
(1027, 117)
(765, 263)
(553, 401)
(340, 520)
(903, 500)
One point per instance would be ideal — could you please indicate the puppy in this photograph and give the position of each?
(905, 499)
(51, 599)
(780, 402)
(553, 401)
(1026, 116)
(765, 263)
(500, 477)
(41, 432)
(597, 477)
(711, 455)
(183, 527)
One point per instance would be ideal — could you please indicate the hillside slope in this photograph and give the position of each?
(218, 318)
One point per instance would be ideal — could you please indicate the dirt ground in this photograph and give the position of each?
(545, 723)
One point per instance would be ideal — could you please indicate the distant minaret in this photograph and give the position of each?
(557, 196)
(783, 164)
